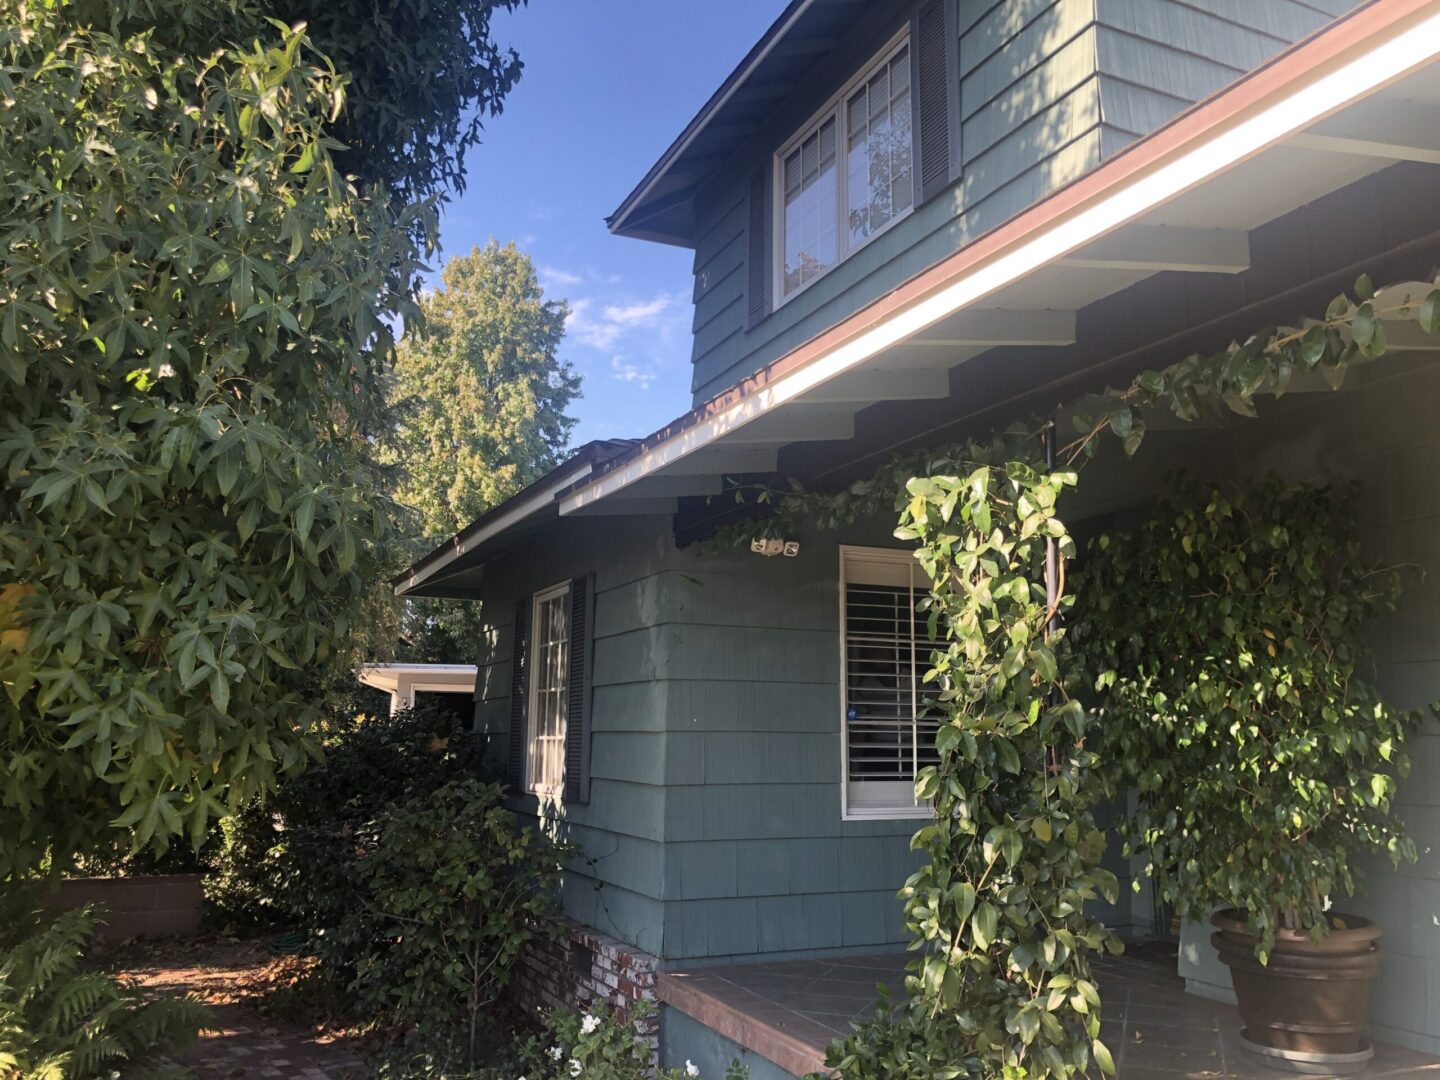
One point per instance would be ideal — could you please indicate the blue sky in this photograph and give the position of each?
(607, 86)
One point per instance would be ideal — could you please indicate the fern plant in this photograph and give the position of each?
(60, 1020)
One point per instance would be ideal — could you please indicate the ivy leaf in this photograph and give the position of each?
(983, 925)
(1103, 1058)
(1364, 326)
(1429, 314)
(1239, 404)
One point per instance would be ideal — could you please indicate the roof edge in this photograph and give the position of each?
(1327, 46)
(758, 52)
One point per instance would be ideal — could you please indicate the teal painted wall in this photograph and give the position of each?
(1048, 89)
(713, 829)
(618, 885)
(758, 858)
(683, 1039)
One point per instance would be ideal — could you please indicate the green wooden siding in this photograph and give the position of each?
(618, 884)
(713, 828)
(1048, 89)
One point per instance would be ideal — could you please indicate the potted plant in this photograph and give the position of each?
(1224, 641)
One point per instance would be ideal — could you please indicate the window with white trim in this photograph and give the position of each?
(549, 661)
(848, 175)
(885, 653)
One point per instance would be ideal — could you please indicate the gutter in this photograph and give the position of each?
(1356, 55)
(512, 512)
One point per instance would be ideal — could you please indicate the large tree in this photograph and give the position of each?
(196, 302)
(479, 393)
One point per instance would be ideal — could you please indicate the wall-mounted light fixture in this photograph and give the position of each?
(771, 548)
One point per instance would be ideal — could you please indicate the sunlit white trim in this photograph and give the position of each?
(1353, 80)
(898, 811)
(533, 784)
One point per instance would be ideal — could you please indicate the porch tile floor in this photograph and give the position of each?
(789, 1012)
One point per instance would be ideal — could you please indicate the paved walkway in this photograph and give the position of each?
(242, 1042)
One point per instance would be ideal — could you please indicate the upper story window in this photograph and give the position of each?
(549, 684)
(886, 650)
(848, 175)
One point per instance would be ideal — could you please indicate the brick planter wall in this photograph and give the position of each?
(160, 906)
(585, 966)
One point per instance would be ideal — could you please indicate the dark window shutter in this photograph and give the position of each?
(519, 691)
(758, 248)
(577, 681)
(936, 101)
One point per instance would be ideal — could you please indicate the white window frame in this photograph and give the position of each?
(834, 107)
(532, 784)
(899, 812)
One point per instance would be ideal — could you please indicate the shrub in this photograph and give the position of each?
(603, 1043)
(59, 1020)
(290, 858)
(450, 891)
(1224, 639)
(198, 310)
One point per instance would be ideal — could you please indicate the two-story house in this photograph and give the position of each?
(914, 221)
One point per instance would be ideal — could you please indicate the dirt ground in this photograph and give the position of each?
(254, 997)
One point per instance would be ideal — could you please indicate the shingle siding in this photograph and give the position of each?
(1047, 90)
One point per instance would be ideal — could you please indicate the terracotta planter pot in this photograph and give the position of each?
(1309, 1008)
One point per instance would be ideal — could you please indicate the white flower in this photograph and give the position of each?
(167, 370)
(555, 1053)
(691, 1069)
(576, 1068)
(589, 1024)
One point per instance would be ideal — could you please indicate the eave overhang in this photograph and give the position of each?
(661, 206)
(1356, 97)
(1182, 198)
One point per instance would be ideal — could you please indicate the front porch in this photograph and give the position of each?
(788, 1012)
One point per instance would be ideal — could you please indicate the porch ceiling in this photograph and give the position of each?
(1355, 99)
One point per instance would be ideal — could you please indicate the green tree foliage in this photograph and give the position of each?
(1224, 642)
(60, 1021)
(480, 396)
(195, 311)
(424, 75)
(481, 403)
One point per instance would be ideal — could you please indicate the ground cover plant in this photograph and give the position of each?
(59, 1020)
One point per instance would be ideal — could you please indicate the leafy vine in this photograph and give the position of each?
(1001, 985)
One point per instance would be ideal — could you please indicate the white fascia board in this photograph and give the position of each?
(1353, 80)
(540, 501)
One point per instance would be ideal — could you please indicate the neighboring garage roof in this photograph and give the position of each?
(389, 676)
(1354, 98)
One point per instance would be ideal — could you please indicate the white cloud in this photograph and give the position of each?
(589, 330)
(605, 328)
(552, 277)
(638, 314)
(622, 370)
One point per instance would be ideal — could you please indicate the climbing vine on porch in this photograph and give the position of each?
(1001, 985)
